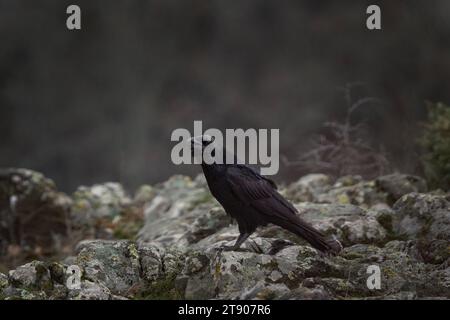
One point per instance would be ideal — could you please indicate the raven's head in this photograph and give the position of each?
(201, 142)
(207, 149)
(198, 145)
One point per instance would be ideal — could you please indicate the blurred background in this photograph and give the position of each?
(100, 104)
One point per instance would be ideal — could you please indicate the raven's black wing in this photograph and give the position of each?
(259, 193)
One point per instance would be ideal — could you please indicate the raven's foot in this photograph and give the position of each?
(279, 245)
(223, 248)
(227, 248)
(253, 246)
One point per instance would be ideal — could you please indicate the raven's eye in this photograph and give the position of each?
(207, 141)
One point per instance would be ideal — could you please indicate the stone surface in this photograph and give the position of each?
(425, 217)
(90, 291)
(30, 200)
(100, 200)
(112, 263)
(396, 185)
(389, 224)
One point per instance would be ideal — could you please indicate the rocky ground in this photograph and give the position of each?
(164, 242)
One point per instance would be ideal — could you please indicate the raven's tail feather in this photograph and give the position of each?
(316, 238)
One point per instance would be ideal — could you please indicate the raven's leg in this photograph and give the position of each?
(240, 240)
(255, 247)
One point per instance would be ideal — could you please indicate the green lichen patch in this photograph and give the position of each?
(161, 289)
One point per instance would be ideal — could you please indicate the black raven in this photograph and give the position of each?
(253, 200)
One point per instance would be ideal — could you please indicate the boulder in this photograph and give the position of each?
(34, 215)
(179, 203)
(179, 251)
(425, 217)
(114, 264)
(396, 185)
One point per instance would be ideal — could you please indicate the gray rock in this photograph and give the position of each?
(178, 203)
(33, 275)
(305, 274)
(99, 201)
(363, 194)
(29, 199)
(12, 293)
(400, 271)
(112, 263)
(308, 187)
(30, 281)
(396, 185)
(144, 194)
(425, 217)
(3, 285)
(90, 291)
(349, 223)
(179, 251)
(151, 259)
(207, 224)
(158, 262)
(232, 275)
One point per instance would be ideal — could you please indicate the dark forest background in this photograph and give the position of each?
(100, 104)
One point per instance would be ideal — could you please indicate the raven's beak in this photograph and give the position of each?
(196, 141)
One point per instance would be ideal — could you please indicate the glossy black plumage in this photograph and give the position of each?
(253, 201)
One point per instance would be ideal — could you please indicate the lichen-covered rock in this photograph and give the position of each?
(158, 262)
(34, 276)
(34, 280)
(268, 291)
(207, 224)
(90, 291)
(354, 190)
(3, 284)
(179, 202)
(308, 187)
(100, 200)
(179, 252)
(400, 270)
(112, 263)
(105, 211)
(366, 230)
(232, 275)
(144, 194)
(3, 281)
(12, 293)
(318, 188)
(31, 201)
(349, 223)
(396, 185)
(300, 272)
(151, 259)
(425, 217)
(361, 193)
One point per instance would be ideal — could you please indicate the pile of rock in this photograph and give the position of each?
(390, 225)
